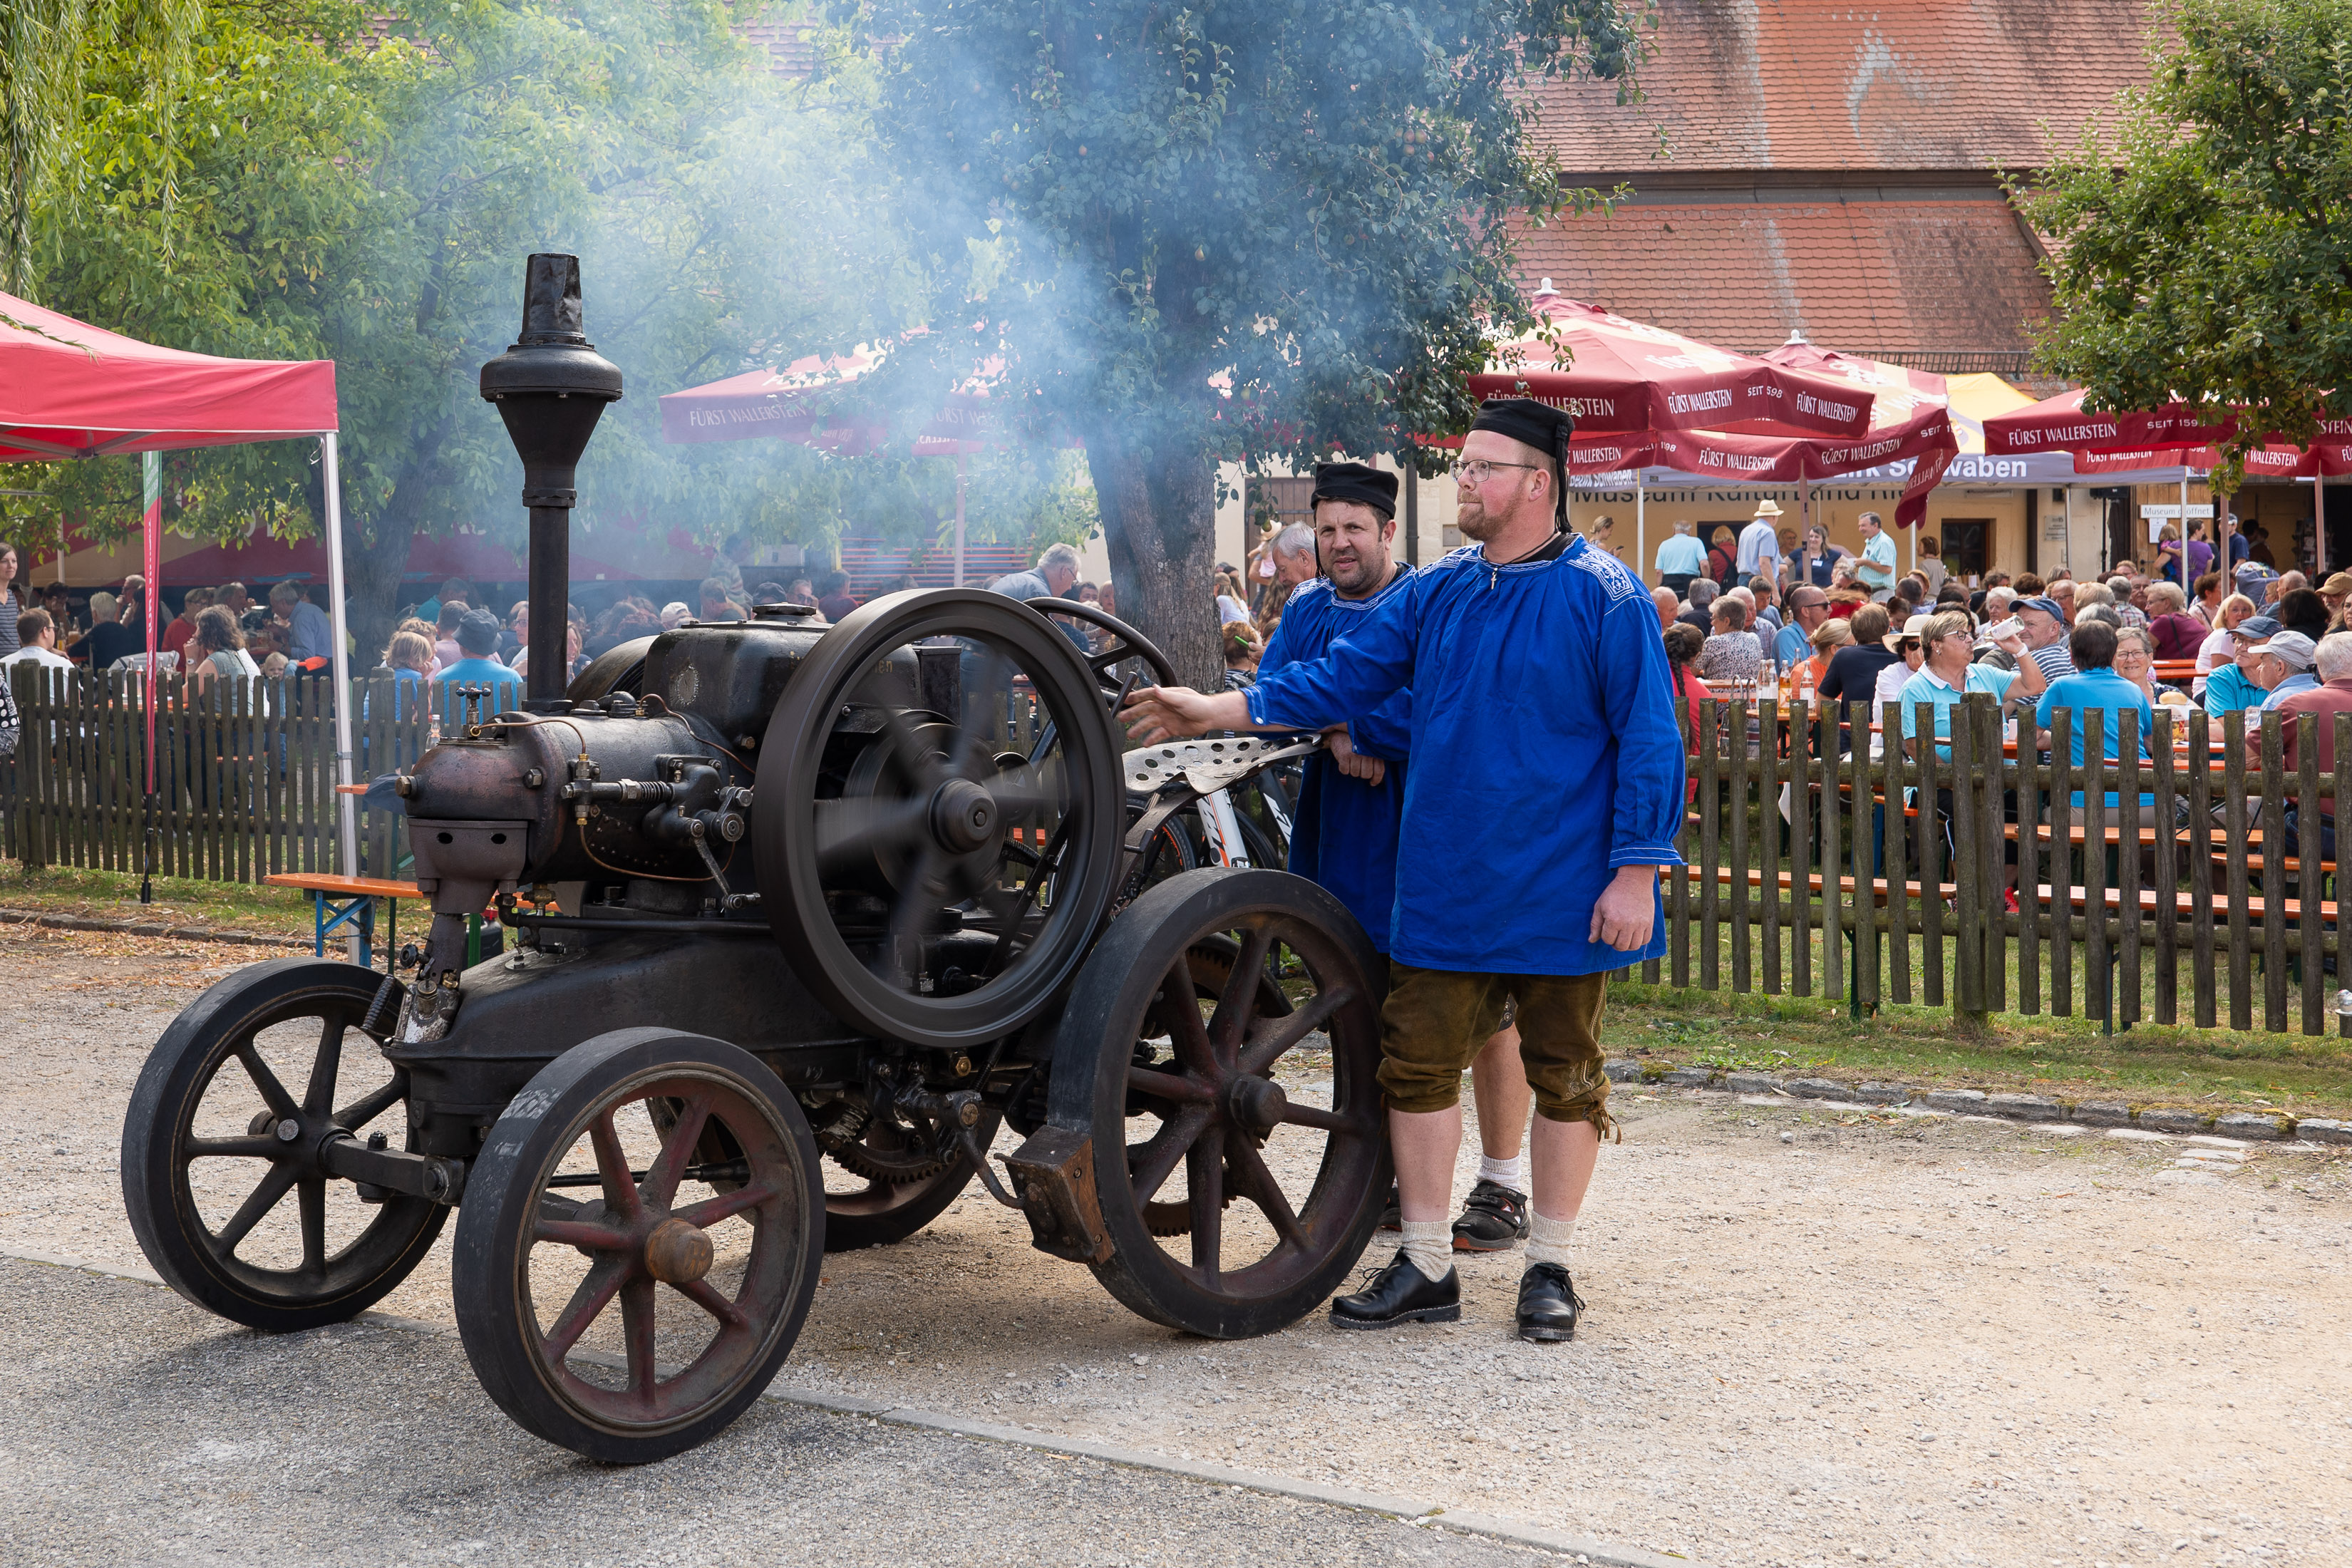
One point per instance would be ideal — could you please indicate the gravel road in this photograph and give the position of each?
(1814, 1336)
(145, 1432)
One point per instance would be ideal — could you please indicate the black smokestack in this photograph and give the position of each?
(551, 388)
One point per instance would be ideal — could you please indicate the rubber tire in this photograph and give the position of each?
(1089, 1091)
(483, 1265)
(178, 1069)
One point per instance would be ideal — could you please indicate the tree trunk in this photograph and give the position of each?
(374, 558)
(376, 555)
(1158, 513)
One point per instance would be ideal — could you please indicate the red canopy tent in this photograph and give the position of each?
(68, 390)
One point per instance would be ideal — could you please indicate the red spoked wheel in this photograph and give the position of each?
(639, 1243)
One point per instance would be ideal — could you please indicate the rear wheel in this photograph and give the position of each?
(1219, 1051)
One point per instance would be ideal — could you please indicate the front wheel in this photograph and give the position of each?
(221, 1146)
(574, 1210)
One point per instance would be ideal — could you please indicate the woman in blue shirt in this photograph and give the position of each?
(2095, 687)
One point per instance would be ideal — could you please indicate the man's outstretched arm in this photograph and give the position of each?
(1156, 713)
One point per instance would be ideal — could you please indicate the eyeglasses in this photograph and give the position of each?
(1479, 470)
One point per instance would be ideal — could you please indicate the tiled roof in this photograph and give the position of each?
(1884, 279)
(787, 44)
(1807, 84)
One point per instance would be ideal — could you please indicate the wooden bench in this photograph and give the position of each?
(1786, 882)
(2184, 905)
(339, 901)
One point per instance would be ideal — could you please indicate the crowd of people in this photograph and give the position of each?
(1806, 624)
(285, 631)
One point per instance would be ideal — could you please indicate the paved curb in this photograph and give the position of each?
(2258, 1126)
(1600, 1554)
(148, 928)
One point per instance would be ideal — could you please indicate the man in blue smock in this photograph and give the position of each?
(1546, 790)
(1353, 801)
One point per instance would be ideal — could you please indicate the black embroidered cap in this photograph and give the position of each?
(1537, 425)
(1357, 482)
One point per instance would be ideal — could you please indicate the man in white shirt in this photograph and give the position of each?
(38, 635)
(1760, 543)
(1875, 570)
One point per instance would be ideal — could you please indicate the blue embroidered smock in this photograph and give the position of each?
(1345, 836)
(1544, 746)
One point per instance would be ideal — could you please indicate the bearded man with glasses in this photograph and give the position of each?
(1546, 790)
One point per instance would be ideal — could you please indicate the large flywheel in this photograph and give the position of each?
(934, 874)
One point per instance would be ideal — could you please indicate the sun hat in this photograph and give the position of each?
(1768, 507)
(1913, 630)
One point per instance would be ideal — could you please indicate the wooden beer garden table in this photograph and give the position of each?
(339, 901)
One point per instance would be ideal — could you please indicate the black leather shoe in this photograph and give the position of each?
(1494, 1219)
(1393, 1216)
(1400, 1293)
(1548, 1304)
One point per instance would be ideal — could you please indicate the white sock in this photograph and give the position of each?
(1549, 1241)
(1511, 1172)
(1429, 1243)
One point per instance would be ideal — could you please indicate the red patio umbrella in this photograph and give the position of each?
(800, 403)
(797, 403)
(1910, 418)
(2178, 433)
(2059, 425)
(68, 390)
(1626, 382)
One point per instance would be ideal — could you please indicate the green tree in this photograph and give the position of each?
(346, 195)
(1192, 232)
(46, 51)
(2208, 234)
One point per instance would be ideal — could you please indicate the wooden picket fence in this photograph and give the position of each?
(1814, 869)
(244, 774)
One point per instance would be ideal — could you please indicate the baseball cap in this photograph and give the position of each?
(2340, 583)
(2047, 606)
(2293, 649)
(2254, 629)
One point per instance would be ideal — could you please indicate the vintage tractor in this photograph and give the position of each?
(805, 913)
